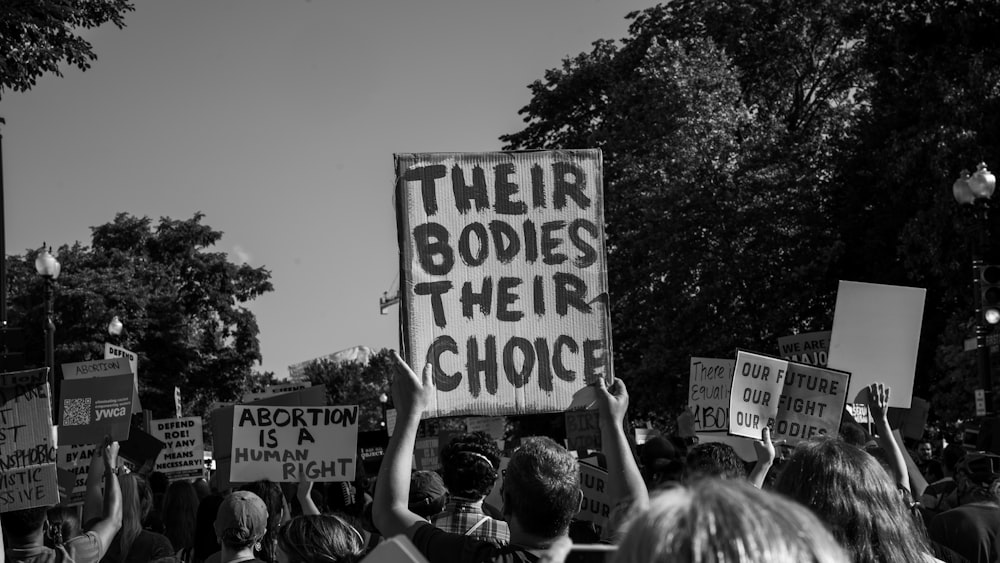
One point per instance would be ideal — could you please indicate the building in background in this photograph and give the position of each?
(359, 354)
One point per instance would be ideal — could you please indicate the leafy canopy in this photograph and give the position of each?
(181, 303)
(38, 36)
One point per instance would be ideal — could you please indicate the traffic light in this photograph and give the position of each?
(989, 293)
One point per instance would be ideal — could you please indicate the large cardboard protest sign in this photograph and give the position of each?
(875, 336)
(27, 447)
(797, 401)
(183, 454)
(284, 444)
(505, 277)
(93, 408)
(111, 352)
(806, 348)
(708, 393)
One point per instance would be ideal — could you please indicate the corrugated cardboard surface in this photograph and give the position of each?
(27, 447)
(523, 224)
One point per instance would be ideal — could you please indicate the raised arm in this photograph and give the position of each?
(410, 394)
(111, 518)
(878, 406)
(765, 459)
(93, 501)
(625, 483)
(304, 494)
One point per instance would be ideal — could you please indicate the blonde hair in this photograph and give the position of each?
(726, 521)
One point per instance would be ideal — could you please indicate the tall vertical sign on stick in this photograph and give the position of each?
(504, 277)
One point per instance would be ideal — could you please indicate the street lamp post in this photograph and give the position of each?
(383, 400)
(115, 327)
(48, 267)
(976, 190)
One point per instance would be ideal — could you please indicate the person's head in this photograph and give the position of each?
(925, 451)
(469, 465)
(850, 491)
(726, 520)
(241, 520)
(63, 525)
(274, 500)
(202, 487)
(20, 525)
(180, 511)
(428, 495)
(853, 433)
(974, 475)
(206, 541)
(137, 500)
(714, 459)
(662, 461)
(158, 482)
(541, 489)
(319, 539)
(950, 456)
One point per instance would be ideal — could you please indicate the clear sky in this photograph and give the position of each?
(278, 121)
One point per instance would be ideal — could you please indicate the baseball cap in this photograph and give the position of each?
(427, 492)
(242, 518)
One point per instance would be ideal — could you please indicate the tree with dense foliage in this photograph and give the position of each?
(38, 36)
(182, 306)
(756, 152)
(356, 383)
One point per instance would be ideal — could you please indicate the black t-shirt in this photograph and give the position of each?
(147, 546)
(439, 546)
(972, 530)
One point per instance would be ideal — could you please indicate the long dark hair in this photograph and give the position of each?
(851, 491)
(63, 525)
(273, 498)
(137, 500)
(205, 541)
(180, 513)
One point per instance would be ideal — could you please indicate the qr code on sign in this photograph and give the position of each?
(76, 412)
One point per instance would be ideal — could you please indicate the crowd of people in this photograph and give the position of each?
(860, 497)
